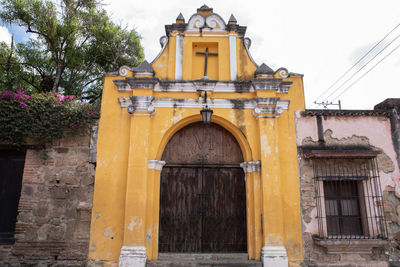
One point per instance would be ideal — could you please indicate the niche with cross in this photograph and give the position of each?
(205, 60)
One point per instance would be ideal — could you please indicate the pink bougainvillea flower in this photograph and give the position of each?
(22, 104)
(68, 98)
(74, 126)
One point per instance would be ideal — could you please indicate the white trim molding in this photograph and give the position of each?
(179, 56)
(274, 256)
(232, 56)
(132, 257)
(155, 164)
(251, 166)
(263, 107)
(132, 83)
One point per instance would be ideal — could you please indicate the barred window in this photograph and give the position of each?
(349, 197)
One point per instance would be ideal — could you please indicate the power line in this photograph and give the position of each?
(362, 67)
(366, 73)
(356, 63)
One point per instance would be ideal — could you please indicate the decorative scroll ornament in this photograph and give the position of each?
(196, 22)
(283, 73)
(123, 71)
(247, 43)
(214, 20)
(163, 41)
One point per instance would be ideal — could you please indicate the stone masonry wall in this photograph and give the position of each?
(53, 223)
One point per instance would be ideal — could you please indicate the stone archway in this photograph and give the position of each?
(202, 192)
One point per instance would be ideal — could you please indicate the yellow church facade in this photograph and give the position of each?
(152, 133)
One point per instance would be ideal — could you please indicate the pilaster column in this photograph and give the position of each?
(253, 211)
(179, 56)
(153, 203)
(273, 252)
(232, 56)
(133, 251)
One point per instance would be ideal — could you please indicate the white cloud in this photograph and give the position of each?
(5, 35)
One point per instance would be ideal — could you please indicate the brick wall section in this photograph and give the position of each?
(55, 206)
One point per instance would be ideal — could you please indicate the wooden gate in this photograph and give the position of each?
(203, 200)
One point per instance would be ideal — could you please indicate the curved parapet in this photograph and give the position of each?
(247, 44)
(163, 42)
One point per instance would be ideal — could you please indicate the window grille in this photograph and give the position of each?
(349, 198)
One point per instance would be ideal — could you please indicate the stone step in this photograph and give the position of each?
(203, 260)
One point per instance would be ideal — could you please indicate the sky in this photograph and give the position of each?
(318, 38)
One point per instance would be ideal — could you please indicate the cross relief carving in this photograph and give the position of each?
(206, 53)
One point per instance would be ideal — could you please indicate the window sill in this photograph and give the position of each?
(346, 246)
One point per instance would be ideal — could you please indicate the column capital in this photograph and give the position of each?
(155, 164)
(251, 166)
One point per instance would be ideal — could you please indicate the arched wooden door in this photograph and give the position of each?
(202, 192)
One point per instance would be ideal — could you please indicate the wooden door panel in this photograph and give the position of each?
(224, 223)
(178, 212)
(202, 199)
(199, 143)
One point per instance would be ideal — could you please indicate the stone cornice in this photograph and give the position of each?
(132, 83)
(175, 27)
(142, 82)
(271, 84)
(241, 30)
(263, 107)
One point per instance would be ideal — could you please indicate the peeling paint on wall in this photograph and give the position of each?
(265, 148)
(108, 233)
(96, 215)
(148, 237)
(135, 222)
(371, 133)
(274, 240)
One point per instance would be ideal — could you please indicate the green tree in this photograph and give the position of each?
(73, 44)
(12, 71)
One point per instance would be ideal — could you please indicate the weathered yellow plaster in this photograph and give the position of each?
(126, 194)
